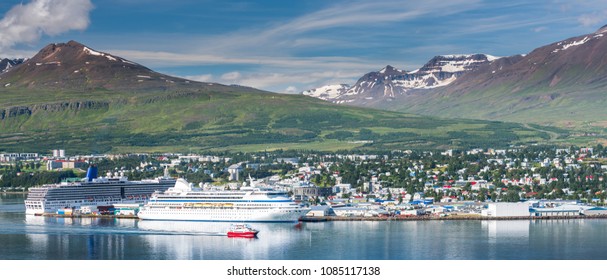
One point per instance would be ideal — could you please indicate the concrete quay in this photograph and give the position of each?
(445, 218)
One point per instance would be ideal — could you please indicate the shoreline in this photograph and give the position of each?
(447, 218)
(386, 219)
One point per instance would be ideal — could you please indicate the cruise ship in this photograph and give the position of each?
(249, 204)
(93, 192)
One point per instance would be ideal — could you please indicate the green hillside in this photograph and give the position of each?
(555, 107)
(192, 121)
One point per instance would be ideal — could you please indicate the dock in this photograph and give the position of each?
(444, 218)
(360, 218)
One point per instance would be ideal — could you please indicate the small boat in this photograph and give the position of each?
(242, 230)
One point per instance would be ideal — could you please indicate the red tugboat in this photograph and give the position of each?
(242, 230)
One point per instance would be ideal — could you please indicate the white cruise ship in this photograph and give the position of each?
(249, 204)
(92, 192)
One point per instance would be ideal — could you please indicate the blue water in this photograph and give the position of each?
(39, 238)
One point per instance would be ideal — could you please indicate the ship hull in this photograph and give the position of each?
(222, 215)
(245, 205)
(50, 198)
(75, 204)
(252, 234)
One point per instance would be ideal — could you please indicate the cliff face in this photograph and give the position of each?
(17, 111)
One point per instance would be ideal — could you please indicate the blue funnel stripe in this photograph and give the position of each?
(91, 173)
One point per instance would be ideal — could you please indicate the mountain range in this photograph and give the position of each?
(73, 66)
(6, 64)
(561, 84)
(74, 97)
(390, 82)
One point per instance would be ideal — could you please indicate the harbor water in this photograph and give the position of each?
(25, 237)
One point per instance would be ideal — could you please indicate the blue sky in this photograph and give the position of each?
(291, 46)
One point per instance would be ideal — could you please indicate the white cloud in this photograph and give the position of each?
(201, 78)
(291, 89)
(593, 18)
(231, 76)
(287, 53)
(276, 42)
(269, 80)
(286, 82)
(370, 12)
(274, 48)
(164, 59)
(26, 23)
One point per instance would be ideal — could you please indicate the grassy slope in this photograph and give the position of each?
(577, 108)
(150, 122)
(578, 95)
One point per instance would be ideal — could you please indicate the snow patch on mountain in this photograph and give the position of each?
(327, 92)
(576, 43)
(563, 45)
(390, 82)
(6, 64)
(96, 53)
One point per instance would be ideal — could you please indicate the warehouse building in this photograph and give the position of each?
(506, 209)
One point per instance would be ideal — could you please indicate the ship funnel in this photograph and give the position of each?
(91, 173)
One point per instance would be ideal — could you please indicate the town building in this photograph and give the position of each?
(320, 211)
(506, 209)
(235, 170)
(63, 164)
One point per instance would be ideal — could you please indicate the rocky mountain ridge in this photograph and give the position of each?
(75, 67)
(7, 63)
(560, 83)
(390, 82)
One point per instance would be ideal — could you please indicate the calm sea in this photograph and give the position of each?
(41, 238)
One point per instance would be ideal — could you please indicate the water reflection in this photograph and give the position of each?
(506, 229)
(208, 240)
(12, 203)
(32, 237)
(503, 237)
(70, 238)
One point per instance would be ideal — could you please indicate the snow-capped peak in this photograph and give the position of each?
(328, 92)
(6, 64)
(455, 63)
(491, 57)
(390, 82)
(601, 30)
(456, 56)
(96, 53)
(469, 56)
(389, 69)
